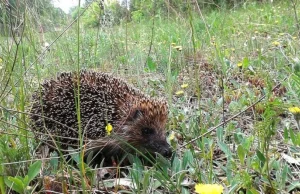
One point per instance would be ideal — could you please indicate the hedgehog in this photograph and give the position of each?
(138, 121)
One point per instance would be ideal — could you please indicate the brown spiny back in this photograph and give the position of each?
(103, 99)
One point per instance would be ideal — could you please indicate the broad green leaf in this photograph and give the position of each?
(159, 176)
(34, 169)
(238, 137)
(163, 163)
(176, 165)
(185, 190)
(2, 185)
(253, 191)
(293, 137)
(74, 155)
(298, 139)
(156, 184)
(227, 62)
(220, 134)
(15, 183)
(247, 143)
(151, 64)
(233, 187)
(90, 158)
(245, 62)
(135, 175)
(225, 149)
(284, 175)
(146, 182)
(54, 160)
(241, 153)
(296, 68)
(26, 181)
(293, 185)
(187, 159)
(261, 157)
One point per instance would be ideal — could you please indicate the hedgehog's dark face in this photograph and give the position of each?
(154, 142)
(145, 127)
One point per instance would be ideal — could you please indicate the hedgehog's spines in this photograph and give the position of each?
(104, 99)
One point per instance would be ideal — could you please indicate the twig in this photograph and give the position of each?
(152, 32)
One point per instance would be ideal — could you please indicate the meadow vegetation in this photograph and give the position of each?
(230, 71)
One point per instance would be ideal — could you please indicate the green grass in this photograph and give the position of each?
(251, 153)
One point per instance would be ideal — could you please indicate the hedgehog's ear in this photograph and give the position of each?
(136, 114)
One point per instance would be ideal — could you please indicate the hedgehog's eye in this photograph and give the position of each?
(147, 131)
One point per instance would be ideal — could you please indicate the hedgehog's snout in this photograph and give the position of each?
(167, 152)
(163, 148)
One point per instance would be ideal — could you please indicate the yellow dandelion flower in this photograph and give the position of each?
(173, 44)
(179, 48)
(276, 43)
(184, 86)
(180, 92)
(276, 22)
(294, 37)
(208, 189)
(108, 128)
(240, 64)
(13, 143)
(294, 110)
(172, 136)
